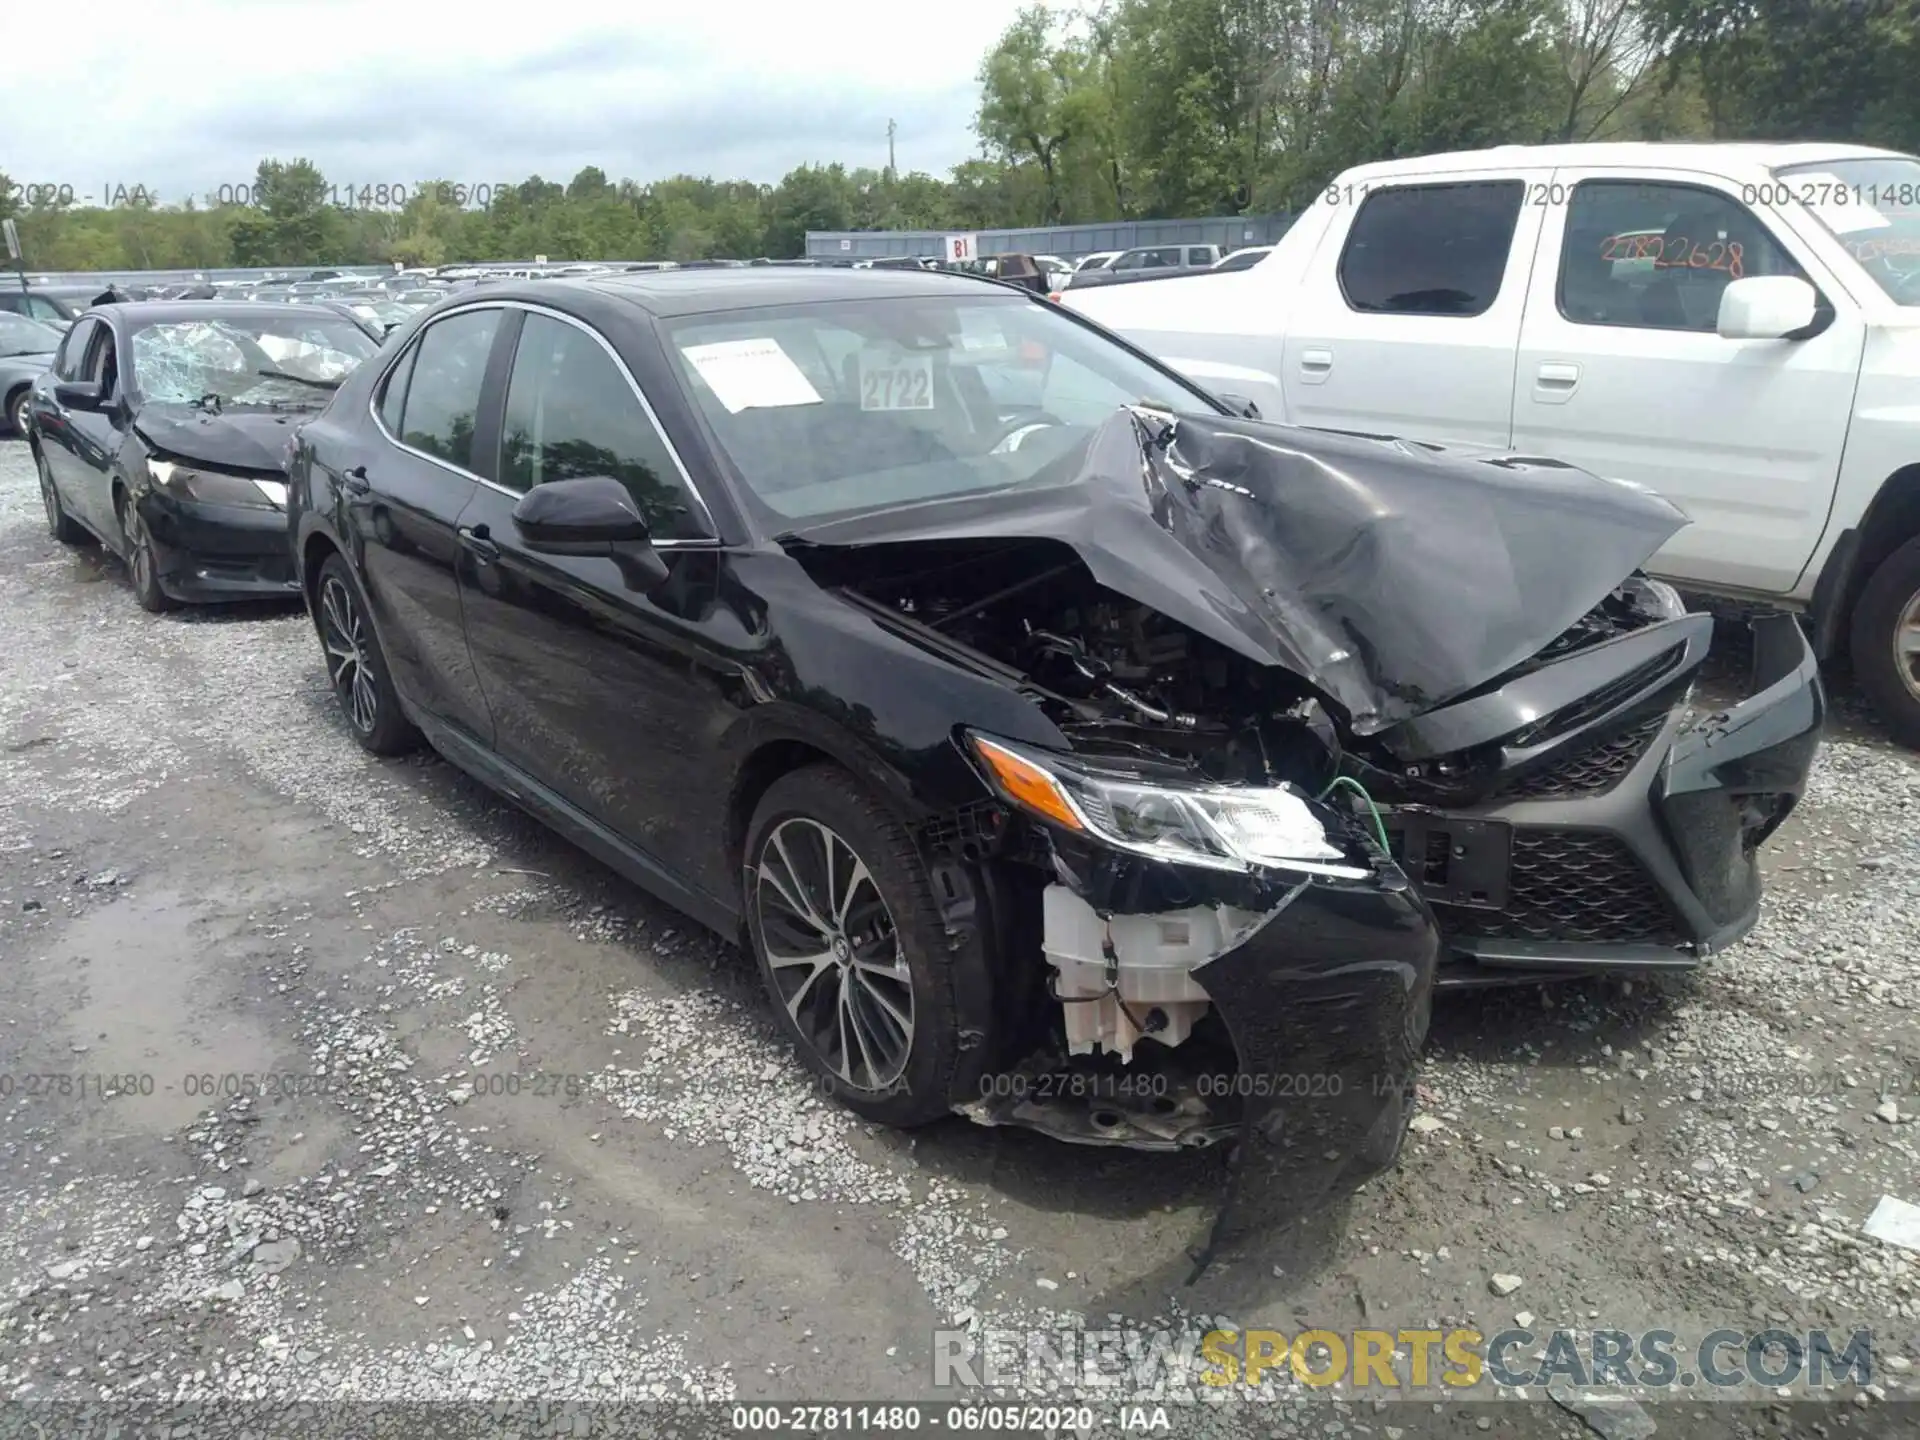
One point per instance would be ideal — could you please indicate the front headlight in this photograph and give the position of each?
(1653, 597)
(210, 487)
(1219, 827)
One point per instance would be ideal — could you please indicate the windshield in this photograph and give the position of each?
(832, 408)
(1873, 208)
(267, 359)
(21, 336)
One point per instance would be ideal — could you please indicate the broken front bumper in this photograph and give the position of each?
(1636, 849)
(1325, 1002)
(1327, 1006)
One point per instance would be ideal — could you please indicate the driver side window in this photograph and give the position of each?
(1657, 256)
(71, 362)
(571, 413)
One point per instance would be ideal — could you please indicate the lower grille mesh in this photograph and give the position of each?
(1573, 886)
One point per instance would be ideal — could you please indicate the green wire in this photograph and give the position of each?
(1379, 825)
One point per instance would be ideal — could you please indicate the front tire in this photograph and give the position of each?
(356, 666)
(1885, 644)
(143, 564)
(851, 947)
(60, 525)
(17, 414)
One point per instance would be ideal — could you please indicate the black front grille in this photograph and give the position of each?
(1592, 770)
(1572, 886)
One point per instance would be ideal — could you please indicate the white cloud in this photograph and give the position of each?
(188, 97)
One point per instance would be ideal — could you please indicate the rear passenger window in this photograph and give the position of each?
(394, 393)
(1199, 255)
(443, 393)
(571, 413)
(1658, 256)
(1431, 249)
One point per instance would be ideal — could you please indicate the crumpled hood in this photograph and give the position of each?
(229, 440)
(1392, 576)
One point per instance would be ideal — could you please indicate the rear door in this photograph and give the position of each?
(1409, 316)
(404, 506)
(1622, 370)
(58, 442)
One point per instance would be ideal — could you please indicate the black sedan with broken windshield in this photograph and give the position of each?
(1067, 752)
(162, 430)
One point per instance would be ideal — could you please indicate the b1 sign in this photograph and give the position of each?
(960, 248)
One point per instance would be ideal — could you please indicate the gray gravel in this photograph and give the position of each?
(510, 1129)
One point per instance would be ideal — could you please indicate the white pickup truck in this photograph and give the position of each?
(1734, 326)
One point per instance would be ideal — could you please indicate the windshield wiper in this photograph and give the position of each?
(300, 379)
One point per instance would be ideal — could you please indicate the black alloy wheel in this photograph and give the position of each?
(60, 525)
(356, 669)
(851, 949)
(143, 565)
(834, 952)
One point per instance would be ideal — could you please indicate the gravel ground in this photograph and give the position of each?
(519, 1132)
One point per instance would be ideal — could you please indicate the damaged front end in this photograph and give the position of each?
(1319, 701)
(1229, 962)
(1203, 944)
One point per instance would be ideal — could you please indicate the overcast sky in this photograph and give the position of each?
(188, 96)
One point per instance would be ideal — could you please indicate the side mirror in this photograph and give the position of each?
(80, 395)
(592, 516)
(1766, 307)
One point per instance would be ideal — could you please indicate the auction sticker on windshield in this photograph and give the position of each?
(751, 374)
(894, 380)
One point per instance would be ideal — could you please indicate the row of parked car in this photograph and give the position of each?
(1068, 749)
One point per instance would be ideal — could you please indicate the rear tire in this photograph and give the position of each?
(1885, 643)
(62, 526)
(873, 1013)
(17, 413)
(356, 665)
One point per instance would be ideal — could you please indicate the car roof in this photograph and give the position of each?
(670, 293)
(1757, 158)
(170, 312)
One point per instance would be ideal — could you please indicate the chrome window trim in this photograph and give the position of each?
(711, 541)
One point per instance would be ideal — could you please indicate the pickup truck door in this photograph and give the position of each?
(1622, 372)
(1409, 315)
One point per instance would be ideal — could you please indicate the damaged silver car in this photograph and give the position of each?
(1069, 751)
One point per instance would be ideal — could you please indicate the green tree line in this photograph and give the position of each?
(1132, 109)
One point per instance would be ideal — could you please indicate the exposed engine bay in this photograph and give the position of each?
(1118, 678)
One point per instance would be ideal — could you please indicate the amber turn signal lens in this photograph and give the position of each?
(1028, 785)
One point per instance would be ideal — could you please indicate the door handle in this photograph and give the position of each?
(479, 542)
(1555, 381)
(355, 480)
(1312, 361)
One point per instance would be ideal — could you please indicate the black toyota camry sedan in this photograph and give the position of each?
(162, 430)
(1068, 751)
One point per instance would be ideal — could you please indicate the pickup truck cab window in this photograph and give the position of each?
(1431, 249)
(1659, 256)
